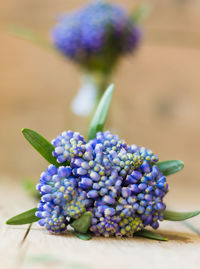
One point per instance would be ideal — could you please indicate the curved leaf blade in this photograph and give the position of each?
(44, 147)
(151, 235)
(192, 227)
(100, 115)
(23, 218)
(82, 236)
(179, 216)
(83, 223)
(30, 36)
(170, 167)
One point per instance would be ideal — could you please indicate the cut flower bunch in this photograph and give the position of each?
(102, 186)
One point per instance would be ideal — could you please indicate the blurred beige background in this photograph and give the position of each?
(157, 97)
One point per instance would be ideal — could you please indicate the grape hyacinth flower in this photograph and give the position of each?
(95, 37)
(119, 184)
(100, 185)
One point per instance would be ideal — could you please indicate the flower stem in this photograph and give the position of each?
(92, 87)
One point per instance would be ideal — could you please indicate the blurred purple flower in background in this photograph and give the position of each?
(94, 37)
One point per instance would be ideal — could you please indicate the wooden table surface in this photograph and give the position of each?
(157, 90)
(43, 250)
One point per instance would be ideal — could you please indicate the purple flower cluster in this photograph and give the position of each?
(98, 30)
(119, 184)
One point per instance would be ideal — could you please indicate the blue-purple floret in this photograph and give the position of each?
(119, 184)
(94, 29)
(67, 145)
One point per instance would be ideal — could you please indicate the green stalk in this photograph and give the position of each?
(93, 85)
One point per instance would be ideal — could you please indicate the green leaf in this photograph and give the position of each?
(100, 115)
(44, 147)
(30, 35)
(82, 236)
(83, 223)
(170, 167)
(24, 218)
(191, 227)
(29, 186)
(151, 235)
(141, 12)
(178, 216)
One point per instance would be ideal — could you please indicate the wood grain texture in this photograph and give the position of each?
(43, 250)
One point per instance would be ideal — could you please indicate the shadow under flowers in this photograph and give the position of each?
(181, 237)
(177, 236)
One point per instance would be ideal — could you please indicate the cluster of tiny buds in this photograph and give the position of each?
(67, 145)
(119, 184)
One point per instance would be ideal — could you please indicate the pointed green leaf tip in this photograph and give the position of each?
(44, 147)
(100, 115)
(24, 218)
(29, 186)
(82, 224)
(141, 12)
(170, 167)
(151, 235)
(178, 216)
